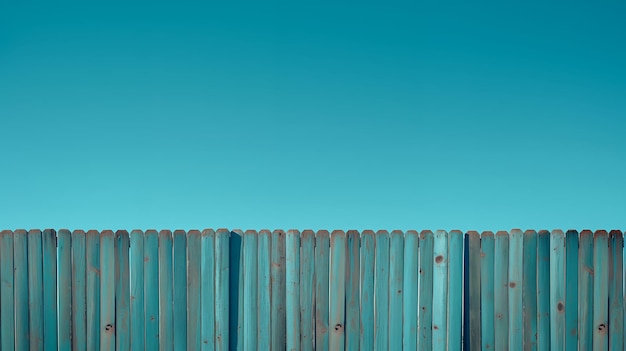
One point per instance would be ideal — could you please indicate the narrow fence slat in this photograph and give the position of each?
(179, 297)
(557, 290)
(64, 242)
(466, 275)
(600, 290)
(7, 302)
(35, 290)
(20, 266)
(474, 290)
(322, 265)
(543, 290)
(166, 294)
(381, 293)
(307, 301)
(107, 290)
(236, 308)
(209, 290)
(616, 292)
(137, 312)
(337, 289)
(49, 266)
(455, 289)
(278, 291)
(92, 254)
(501, 290)
(122, 291)
(440, 290)
(487, 291)
(529, 298)
(368, 254)
(585, 290)
(151, 288)
(353, 292)
(250, 289)
(571, 290)
(425, 318)
(292, 274)
(265, 284)
(396, 261)
(222, 297)
(516, 264)
(79, 290)
(410, 290)
(194, 306)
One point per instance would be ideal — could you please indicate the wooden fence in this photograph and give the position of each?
(218, 290)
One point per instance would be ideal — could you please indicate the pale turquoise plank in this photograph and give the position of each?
(473, 252)
(516, 264)
(64, 242)
(425, 317)
(455, 289)
(529, 299)
(322, 266)
(180, 290)
(194, 307)
(368, 255)
(337, 290)
(264, 297)
(381, 294)
(208, 290)
(166, 293)
(7, 303)
(487, 310)
(543, 290)
(151, 289)
(35, 290)
(440, 290)
(137, 312)
(92, 254)
(79, 288)
(49, 265)
(557, 290)
(122, 291)
(250, 287)
(501, 290)
(571, 290)
(292, 298)
(307, 289)
(396, 263)
(222, 296)
(616, 292)
(236, 308)
(410, 290)
(600, 290)
(20, 266)
(585, 290)
(107, 290)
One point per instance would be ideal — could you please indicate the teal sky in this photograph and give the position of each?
(322, 115)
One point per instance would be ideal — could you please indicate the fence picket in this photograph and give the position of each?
(64, 242)
(222, 297)
(585, 290)
(307, 300)
(208, 290)
(487, 291)
(322, 266)
(236, 308)
(137, 312)
(179, 297)
(571, 290)
(337, 275)
(616, 292)
(7, 302)
(600, 290)
(92, 254)
(265, 283)
(151, 287)
(49, 289)
(122, 291)
(543, 290)
(410, 290)
(381, 293)
(368, 254)
(516, 264)
(194, 292)
(166, 293)
(107, 291)
(396, 261)
(501, 290)
(455, 288)
(440, 290)
(79, 289)
(292, 301)
(425, 318)
(353, 302)
(473, 253)
(250, 289)
(529, 298)
(21, 294)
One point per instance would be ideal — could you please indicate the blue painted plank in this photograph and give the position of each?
(35, 290)
(616, 292)
(208, 290)
(585, 290)
(501, 290)
(7, 303)
(79, 288)
(194, 307)
(166, 293)
(322, 266)
(122, 291)
(49, 265)
(64, 242)
(474, 290)
(180, 290)
(543, 290)
(137, 312)
(487, 291)
(600, 290)
(107, 290)
(455, 289)
(557, 290)
(151, 288)
(529, 298)
(368, 254)
(264, 298)
(571, 290)
(516, 313)
(425, 317)
(20, 266)
(353, 301)
(337, 291)
(410, 290)
(222, 296)
(381, 294)
(466, 300)
(92, 254)
(250, 288)
(236, 308)
(396, 263)
(307, 289)
(440, 290)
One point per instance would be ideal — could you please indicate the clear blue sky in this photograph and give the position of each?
(309, 114)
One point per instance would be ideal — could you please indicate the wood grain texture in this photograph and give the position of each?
(440, 290)
(264, 300)
(151, 287)
(368, 254)
(7, 302)
(122, 291)
(92, 255)
(136, 271)
(307, 290)
(209, 290)
(455, 289)
(410, 290)
(49, 282)
(585, 290)
(381, 293)
(543, 290)
(108, 328)
(20, 286)
(353, 292)
(487, 245)
(396, 262)
(292, 286)
(600, 290)
(474, 290)
(501, 290)
(571, 290)
(425, 318)
(516, 265)
(222, 296)
(166, 293)
(337, 289)
(194, 292)
(322, 267)
(179, 297)
(35, 290)
(79, 289)
(616, 291)
(529, 298)
(557, 290)
(64, 242)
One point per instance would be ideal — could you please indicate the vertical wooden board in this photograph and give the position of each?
(194, 307)
(543, 290)
(516, 263)
(368, 245)
(208, 281)
(353, 292)
(136, 271)
(180, 290)
(571, 290)
(410, 290)
(501, 290)
(49, 266)
(264, 299)
(381, 293)
(474, 290)
(616, 292)
(307, 301)
(222, 296)
(585, 290)
(79, 290)
(466, 309)
(600, 290)
(440, 290)
(337, 291)
(166, 294)
(20, 267)
(529, 298)
(151, 289)
(250, 288)
(7, 303)
(455, 289)
(557, 290)
(107, 290)
(64, 242)
(92, 254)
(322, 266)
(425, 317)
(122, 292)
(396, 262)
(487, 291)
(236, 307)
(35, 290)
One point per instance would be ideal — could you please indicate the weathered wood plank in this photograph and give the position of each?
(194, 292)
(616, 292)
(21, 294)
(92, 254)
(557, 290)
(396, 262)
(600, 290)
(543, 290)
(236, 308)
(179, 277)
(292, 269)
(487, 291)
(137, 312)
(49, 269)
(222, 296)
(474, 290)
(35, 290)
(322, 266)
(122, 292)
(381, 294)
(151, 287)
(455, 289)
(516, 265)
(353, 292)
(166, 293)
(571, 290)
(337, 317)
(368, 255)
(530, 290)
(501, 290)
(64, 242)
(278, 291)
(79, 289)
(425, 318)
(440, 290)
(7, 302)
(208, 290)
(585, 290)
(410, 290)
(107, 291)
(307, 289)
(264, 296)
